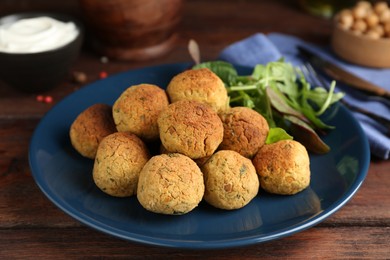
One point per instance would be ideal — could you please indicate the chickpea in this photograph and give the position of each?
(379, 7)
(379, 29)
(345, 19)
(373, 34)
(364, 4)
(357, 33)
(372, 19)
(359, 25)
(384, 16)
(359, 12)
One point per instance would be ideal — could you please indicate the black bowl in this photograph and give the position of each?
(41, 71)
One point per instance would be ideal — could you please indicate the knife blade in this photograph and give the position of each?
(341, 75)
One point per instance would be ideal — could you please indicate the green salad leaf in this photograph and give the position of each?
(280, 92)
(224, 70)
(276, 134)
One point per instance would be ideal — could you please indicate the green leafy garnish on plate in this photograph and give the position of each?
(276, 134)
(280, 93)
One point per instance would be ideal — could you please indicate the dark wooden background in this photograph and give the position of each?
(31, 227)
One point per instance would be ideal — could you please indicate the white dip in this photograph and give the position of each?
(36, 35)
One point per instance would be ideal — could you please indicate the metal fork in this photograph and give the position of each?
(312, 76)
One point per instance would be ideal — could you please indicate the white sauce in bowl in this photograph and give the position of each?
(36, 35)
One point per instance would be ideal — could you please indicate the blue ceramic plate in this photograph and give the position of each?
(65, 178)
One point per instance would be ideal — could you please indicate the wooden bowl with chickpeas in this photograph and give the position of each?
(362, 34)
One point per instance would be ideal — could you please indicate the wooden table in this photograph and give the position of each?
(32, 227)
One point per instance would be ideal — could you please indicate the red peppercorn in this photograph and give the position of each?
(48, 99)
(103, 74)
(40, 98)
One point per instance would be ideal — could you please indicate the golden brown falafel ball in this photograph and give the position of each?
(137, 108)
(119, 160)
(245, 131)
(201, 85)
(90, 127)
(231, 181)
(170, 184)
(283, 167)
(191, 128)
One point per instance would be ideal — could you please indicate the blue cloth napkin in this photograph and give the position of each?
(261, 49)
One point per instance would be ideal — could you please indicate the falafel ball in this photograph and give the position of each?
(201, 85)
(119, 160)
(191, 128)
(245, 131)
(170, 184)
(283, 167)
(90, 127)
(231, 181)
(137, 108)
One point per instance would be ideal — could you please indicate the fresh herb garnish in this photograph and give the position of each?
(276, 134)
(282, 95)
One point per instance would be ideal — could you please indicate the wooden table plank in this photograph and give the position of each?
(371, 204)
(318, 242)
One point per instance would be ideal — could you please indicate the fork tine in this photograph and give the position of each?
(312, 76)
(315, 75)
(307, 74)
